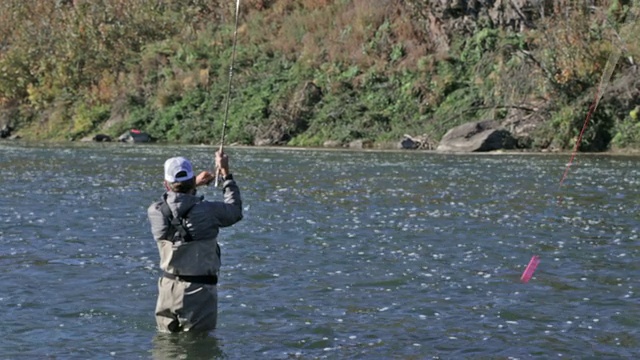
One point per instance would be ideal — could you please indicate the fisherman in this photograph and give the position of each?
(185, 227)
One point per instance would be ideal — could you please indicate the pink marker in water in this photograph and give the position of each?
(528, 272)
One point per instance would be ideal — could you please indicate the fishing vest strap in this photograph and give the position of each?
(176, 222)
(197, 279)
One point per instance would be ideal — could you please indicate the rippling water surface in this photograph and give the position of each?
(341, 255)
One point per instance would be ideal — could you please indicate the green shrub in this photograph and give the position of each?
(375, 62)
(86, 118)
(626, 134)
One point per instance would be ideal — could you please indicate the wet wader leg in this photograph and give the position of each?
(169, 305)
(200, 307)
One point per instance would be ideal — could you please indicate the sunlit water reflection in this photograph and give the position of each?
(340, 255)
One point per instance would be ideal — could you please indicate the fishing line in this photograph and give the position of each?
(226, 106)
(604, 82)
(610, 66)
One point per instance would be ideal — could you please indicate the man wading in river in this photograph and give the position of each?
(185, 227)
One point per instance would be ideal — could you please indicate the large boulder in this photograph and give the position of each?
(423, 142)
(5, 131)
(332, 144)
(101, 138)
(476, 136)
(361, 144)
(8, 114)
(97, 138)
(409, 143)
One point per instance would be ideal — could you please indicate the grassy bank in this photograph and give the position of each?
(315, 70)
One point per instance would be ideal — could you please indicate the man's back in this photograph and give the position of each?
(185, 228)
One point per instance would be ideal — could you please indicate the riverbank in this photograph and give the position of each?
(342, 71)
(378, 149)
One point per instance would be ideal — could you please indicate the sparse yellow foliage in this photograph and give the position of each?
(634, 113)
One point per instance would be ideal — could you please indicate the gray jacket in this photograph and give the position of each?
(197, 257)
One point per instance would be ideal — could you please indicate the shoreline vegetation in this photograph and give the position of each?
(323, 73)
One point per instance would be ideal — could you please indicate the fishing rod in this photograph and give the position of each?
(226, 107)
(617, 48)
(605, 79)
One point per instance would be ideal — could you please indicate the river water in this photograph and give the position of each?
(341, 255)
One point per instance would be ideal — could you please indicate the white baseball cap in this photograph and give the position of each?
(177, 169)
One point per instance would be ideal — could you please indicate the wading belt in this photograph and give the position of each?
(198, 279)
